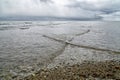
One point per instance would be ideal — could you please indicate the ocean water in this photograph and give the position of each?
(27, 46)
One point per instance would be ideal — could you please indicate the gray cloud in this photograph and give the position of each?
(79, 9)
(47, 1)
(106, 6)
(112, 17)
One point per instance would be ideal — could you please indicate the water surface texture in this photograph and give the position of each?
(27, 46)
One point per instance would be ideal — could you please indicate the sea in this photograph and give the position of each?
(28, 46)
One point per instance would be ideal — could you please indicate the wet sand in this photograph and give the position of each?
(108, 70)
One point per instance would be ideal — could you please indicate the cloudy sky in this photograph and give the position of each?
(82, 9)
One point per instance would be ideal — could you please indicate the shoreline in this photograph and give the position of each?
(88, 70)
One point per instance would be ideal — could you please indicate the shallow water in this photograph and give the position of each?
(27, 46)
